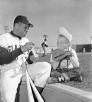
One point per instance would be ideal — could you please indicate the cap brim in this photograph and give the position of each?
(30, 25)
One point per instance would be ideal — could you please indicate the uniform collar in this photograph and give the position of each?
(15, 35)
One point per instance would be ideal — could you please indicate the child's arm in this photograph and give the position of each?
(54, 64)
(59, 54)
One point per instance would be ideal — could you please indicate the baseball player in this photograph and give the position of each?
(64, 59)
(7, 57)
(11, 77)
(44, 45)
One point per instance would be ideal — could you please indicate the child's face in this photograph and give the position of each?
(62, 43)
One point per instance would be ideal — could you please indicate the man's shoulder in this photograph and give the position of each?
(24, 40)
(5, 39)
(4, 35)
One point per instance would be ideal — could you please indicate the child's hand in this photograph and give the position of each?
(56, 53)
(69, 54)
(33, 58)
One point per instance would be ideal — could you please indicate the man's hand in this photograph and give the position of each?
(28, 46)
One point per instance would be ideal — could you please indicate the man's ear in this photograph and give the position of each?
(16, 26)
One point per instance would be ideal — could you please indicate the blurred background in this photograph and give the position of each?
(47, 16)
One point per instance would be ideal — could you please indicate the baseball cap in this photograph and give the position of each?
(22, 19)
(63, 31)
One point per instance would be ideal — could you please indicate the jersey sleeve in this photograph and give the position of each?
(7, 57)
(3, 41)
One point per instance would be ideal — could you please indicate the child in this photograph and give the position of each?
(64, 60)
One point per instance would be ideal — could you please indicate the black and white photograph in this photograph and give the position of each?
(45, 50)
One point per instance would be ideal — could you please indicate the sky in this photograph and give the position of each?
(47, 16)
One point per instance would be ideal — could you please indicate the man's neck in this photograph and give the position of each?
(14, 34)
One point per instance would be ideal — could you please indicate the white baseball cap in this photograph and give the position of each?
(63, 31)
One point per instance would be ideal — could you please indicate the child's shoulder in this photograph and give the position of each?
(71, 49)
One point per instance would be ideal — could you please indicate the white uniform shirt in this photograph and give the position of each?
(11, 42)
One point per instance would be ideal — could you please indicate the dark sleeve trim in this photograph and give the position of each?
(7, 57)
(14, 54)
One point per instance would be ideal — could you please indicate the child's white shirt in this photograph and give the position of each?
(73, 62)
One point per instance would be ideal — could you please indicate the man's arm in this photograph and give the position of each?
(7, 57)
(28, 59)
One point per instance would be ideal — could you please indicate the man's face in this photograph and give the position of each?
(22, 29)
(62, 43)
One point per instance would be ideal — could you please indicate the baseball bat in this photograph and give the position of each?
(38, 96)
(30, 95)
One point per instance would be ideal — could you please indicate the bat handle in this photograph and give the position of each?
(36, 91)
(30, 95)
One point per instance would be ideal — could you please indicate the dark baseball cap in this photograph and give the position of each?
(22, 19)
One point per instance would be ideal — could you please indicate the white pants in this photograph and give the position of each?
(39, 73)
